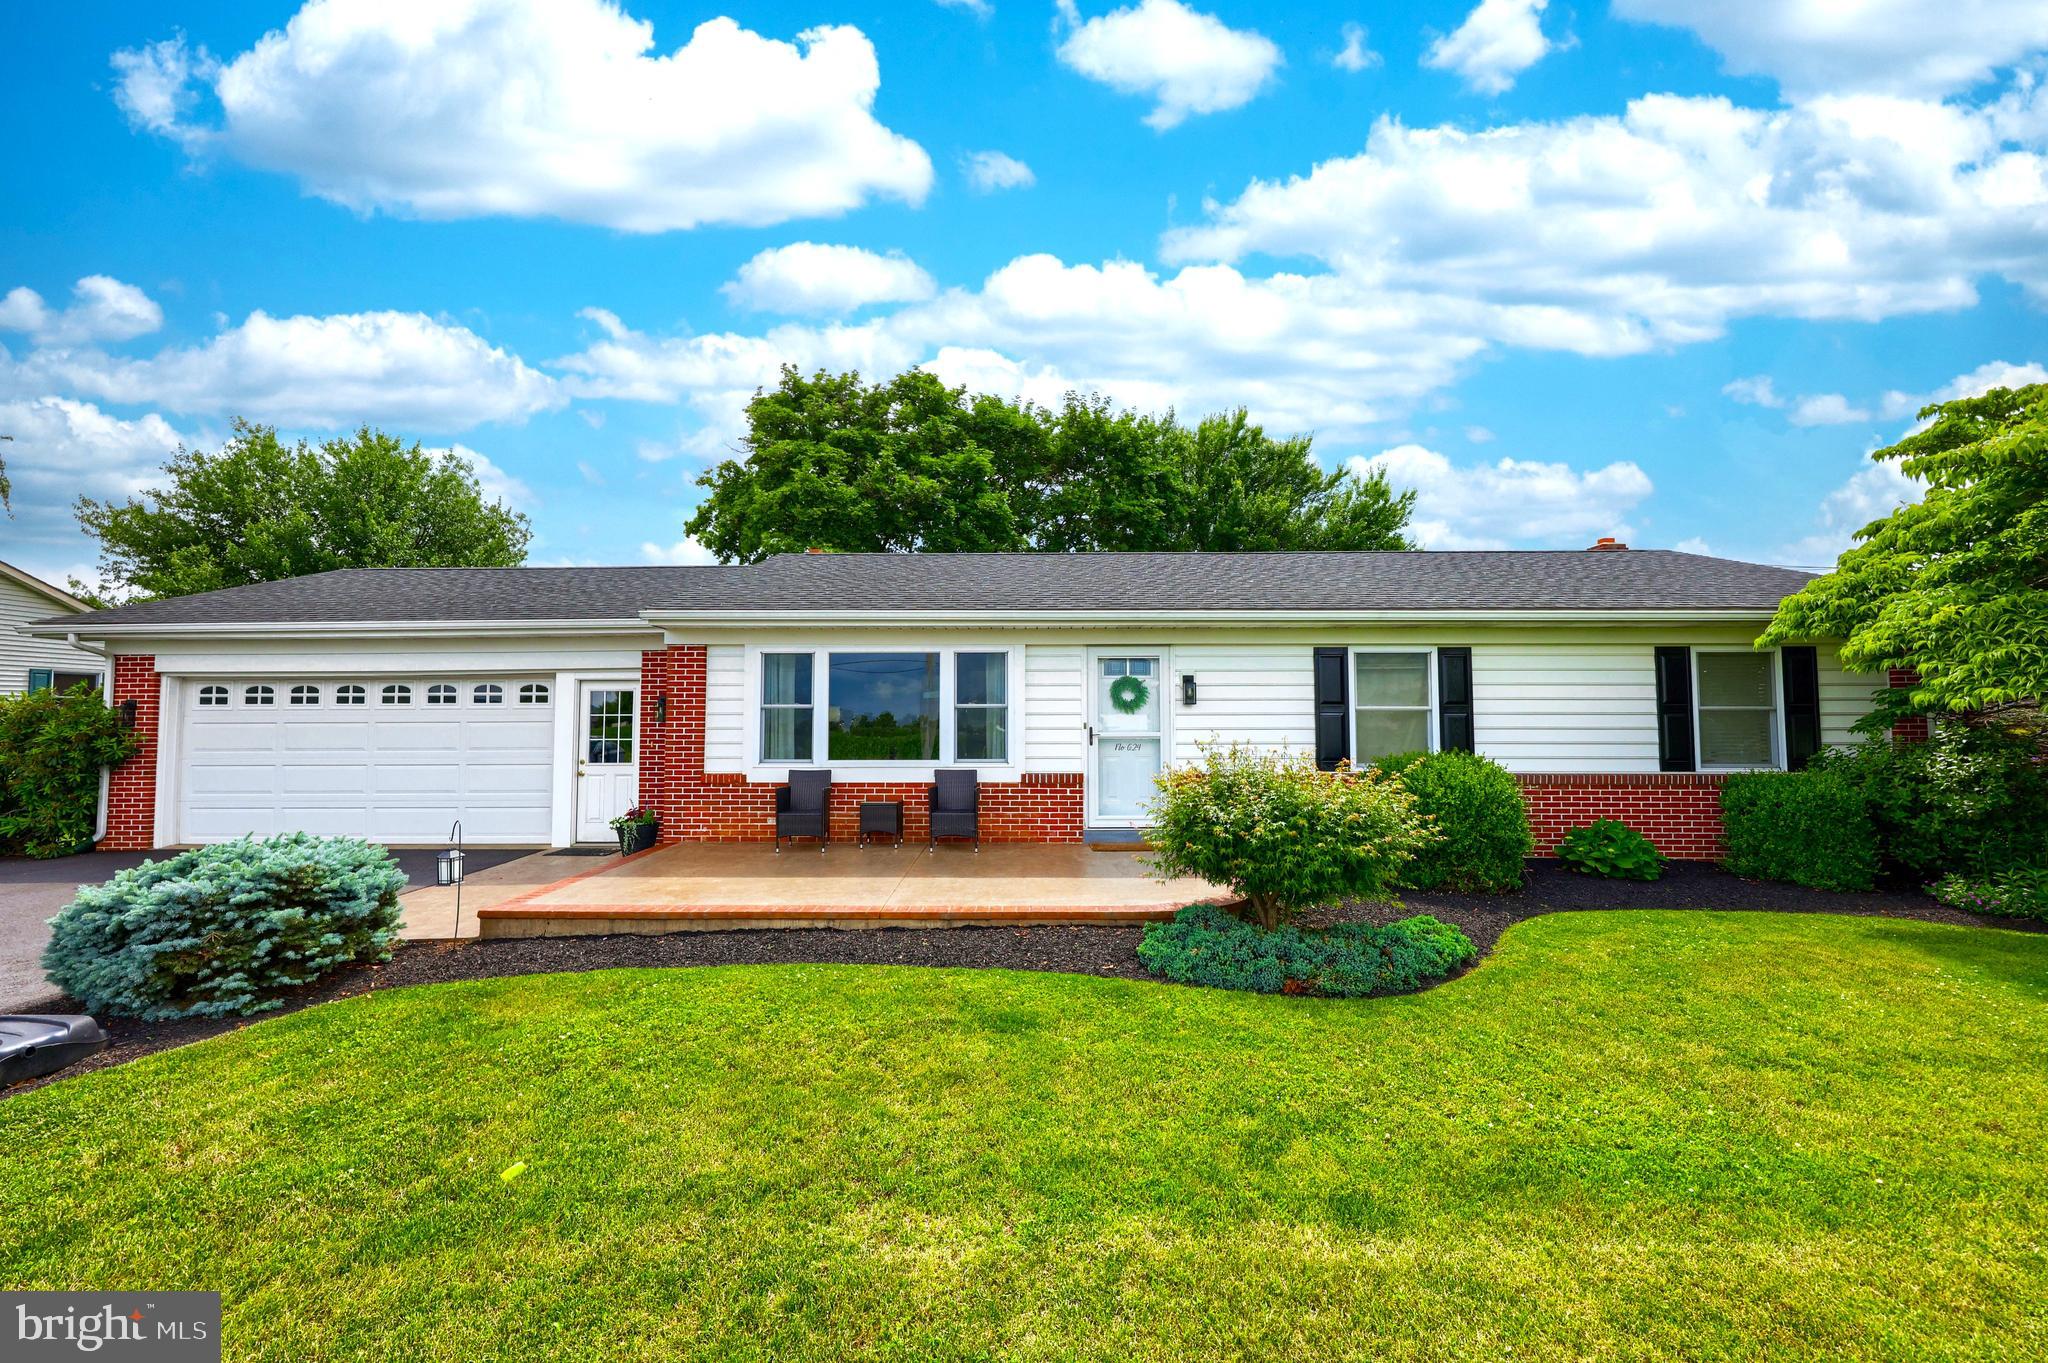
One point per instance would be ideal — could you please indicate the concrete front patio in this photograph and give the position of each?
(698, 886)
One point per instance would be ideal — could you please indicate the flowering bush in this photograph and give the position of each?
(2010, 894)
(1283, 833)
(637, 815)
(212, 931)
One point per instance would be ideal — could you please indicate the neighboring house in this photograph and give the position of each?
(534, 704)
(30, 663)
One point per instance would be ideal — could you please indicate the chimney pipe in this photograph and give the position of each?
(1605, 544)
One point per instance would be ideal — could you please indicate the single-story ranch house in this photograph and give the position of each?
(535, 704)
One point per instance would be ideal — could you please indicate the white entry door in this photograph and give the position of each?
(1127, 732)
(607, 758)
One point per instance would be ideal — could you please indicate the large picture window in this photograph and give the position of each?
(786, 710)
(884, 707)
(981, 707)
(1738, 712)
(879, 706)
(1390, 705)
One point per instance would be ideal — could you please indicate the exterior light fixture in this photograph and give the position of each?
(1187, 688)
(448, 871)
(661, 708)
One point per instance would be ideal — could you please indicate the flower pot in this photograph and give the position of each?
(637, 837)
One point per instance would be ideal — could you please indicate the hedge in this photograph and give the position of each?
(1809, 827)
(1480, 815)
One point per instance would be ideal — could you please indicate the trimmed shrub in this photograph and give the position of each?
(1282, 833)
(1972, 801)
(1806, 827)
(1208, 945)
(2009, 894)
(1609, 847)
(214, 931)
(1478, 808)
(52, 747)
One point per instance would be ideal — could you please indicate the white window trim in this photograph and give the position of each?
(1434, 722)
(760, 768)
(1777, 678)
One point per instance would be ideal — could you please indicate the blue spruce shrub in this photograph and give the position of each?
(216, 931)
(1208, 945)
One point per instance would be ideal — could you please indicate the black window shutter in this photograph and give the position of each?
(1333, 712)
(1454, 699)
(1674, 709)
(1801, 664)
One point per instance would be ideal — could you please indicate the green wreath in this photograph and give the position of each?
(1128, 695)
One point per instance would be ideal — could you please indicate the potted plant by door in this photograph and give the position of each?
(636, 829)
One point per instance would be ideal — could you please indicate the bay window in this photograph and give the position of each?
(1390, 705)
(909, 706)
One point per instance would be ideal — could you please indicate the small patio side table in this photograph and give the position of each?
(881, 818)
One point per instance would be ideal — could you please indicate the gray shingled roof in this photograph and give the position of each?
(1505, 580)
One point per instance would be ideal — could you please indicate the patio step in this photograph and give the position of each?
(597, 920)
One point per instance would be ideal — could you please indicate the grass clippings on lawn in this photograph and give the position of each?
(1628, 1135)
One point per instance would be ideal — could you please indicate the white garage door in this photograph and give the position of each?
(389, 759)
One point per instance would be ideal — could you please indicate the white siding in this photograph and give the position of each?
(1258, 694)
(1844, 697)
(1055, 707)
(1572, 707)
(725, 708)
(19, 652)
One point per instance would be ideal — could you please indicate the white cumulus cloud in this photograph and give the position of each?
(1825, 409)
(401, 369)
(1613, 234)
(1755, 391)
(685, 552)
(1188, 62)
(1356, 55)
(540, 108)
(102, 309)
(1510, 501)
(64, 449)
(1907, 47)
(1498, 41)
(989, 171)
(808, 277)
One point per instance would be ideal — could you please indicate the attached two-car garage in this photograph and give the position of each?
(390, 759)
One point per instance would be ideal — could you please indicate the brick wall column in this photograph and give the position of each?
(131, 787)
(1919, 728)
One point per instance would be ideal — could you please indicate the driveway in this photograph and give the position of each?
(32, 891)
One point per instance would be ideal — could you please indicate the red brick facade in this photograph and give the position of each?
(699, 806)
(1678, 812)
(131, 787)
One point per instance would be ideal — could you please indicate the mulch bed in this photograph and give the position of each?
(1079, 949)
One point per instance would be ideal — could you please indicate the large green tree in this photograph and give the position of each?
(832, 462)
(1954, 586)
(260, 510)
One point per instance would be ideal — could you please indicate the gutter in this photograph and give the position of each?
(342, 629)
(1152, 619)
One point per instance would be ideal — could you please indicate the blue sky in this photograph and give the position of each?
(1620, 268)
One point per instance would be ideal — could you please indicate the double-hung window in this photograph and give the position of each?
(858, 706)
(786, 711)
(981, 707)
(1390, 704)
(1737, 699)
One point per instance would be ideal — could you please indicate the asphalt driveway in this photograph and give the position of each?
(32, 891)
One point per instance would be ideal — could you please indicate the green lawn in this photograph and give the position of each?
(1644, 1135)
